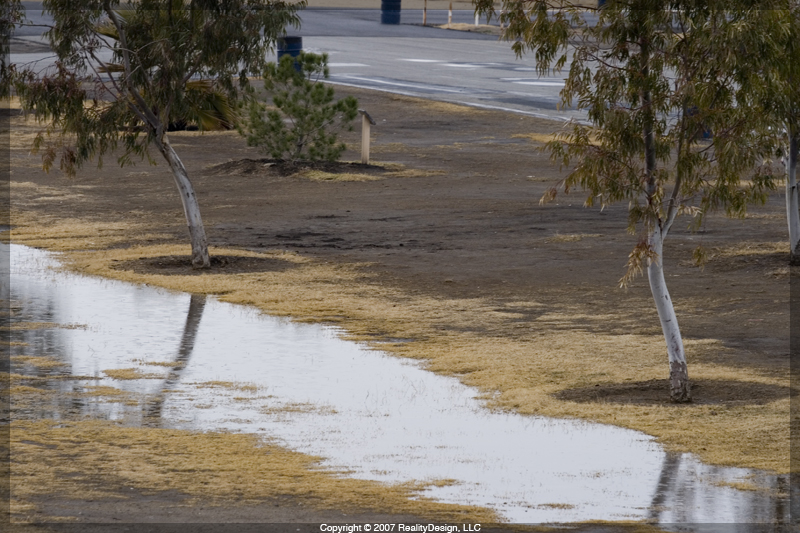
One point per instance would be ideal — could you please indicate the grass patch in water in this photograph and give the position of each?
(555, 506)
(38, 361)
(129, 373)
(740, 485)
(236, 386)
(295, 407)
(25, 326)
(103, 390)
(168, 364)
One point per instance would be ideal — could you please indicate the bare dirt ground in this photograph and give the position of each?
(443, 245)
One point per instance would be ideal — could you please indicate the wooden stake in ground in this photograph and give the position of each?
(450, 15)
(425, 13)
(366, 121)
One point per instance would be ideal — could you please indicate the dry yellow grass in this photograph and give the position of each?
(486, 29)
(319, 175)
(72, 234)
(571, 237)
(421, 104)
(235, 467)
(24, 326)
(170, 364)
(526, 366)
(129, 373)
(249, 387)
(414, 173)
(747, 248)
(103, 390)
(541, 138)
(739, 485)
(38, 361)
(544, 138)
(294, 407)
(515, 368)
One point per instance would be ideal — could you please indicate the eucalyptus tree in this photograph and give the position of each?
(666, 132)
(124, 72)
(787, 108)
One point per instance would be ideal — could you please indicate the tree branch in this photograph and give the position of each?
(149, 117)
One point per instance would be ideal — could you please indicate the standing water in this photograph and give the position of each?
(210, 365)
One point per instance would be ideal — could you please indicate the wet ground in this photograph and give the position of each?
(148, 357)
(456, 265)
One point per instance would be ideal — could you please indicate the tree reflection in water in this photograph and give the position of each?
(154, 405)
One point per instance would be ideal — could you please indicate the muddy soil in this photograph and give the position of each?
(467, 224)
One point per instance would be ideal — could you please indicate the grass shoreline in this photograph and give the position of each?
(512, 373)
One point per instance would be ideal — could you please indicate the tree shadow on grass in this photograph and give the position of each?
(656, 392)
(181, 265)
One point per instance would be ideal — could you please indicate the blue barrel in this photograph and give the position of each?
(390, 11)
(289, 46)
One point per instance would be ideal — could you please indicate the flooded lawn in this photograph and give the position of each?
(190, 362)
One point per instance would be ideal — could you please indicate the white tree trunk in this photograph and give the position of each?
(679, 389)
(197, 233)
(792, 203)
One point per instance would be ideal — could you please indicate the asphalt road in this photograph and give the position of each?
(451, 66)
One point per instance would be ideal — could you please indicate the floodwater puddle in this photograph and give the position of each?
(191, 362)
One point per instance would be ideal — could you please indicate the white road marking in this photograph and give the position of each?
(468, 104)
(347, 65)
(542, 83)
(422, 60)
(409, 85)
(545, 80)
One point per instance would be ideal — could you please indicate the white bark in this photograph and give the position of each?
(679, 389)
(792, 203)
(191, 209)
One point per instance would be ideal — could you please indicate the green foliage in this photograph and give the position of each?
(11, 14)
(653, 76)
(163, 55)
(303, 101)
(207, 106)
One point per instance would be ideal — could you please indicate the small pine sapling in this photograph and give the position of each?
(303, 122)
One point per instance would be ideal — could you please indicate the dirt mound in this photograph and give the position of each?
(656, 392)
(181, 265)
(246, 167)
